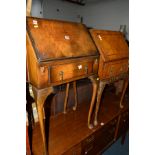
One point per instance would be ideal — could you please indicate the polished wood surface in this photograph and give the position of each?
(55, 39)
(112, 69)
(113, 61)
(40, 97)
(49, 62)
(114, 53)
(58, 52)
(69, 134)
(111, 44)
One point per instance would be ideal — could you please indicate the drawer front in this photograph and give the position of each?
(106, 135)
(114, 69)
(64, 72)
(100, 139)
(59, 72)
(88, 145)
(76, 150)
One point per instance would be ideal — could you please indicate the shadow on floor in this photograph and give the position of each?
(117, 148)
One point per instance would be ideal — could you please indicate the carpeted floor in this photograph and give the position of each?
(117, 148)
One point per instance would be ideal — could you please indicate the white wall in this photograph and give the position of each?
(106, 14)
(36, 10)
(100, 14)
(67, 11)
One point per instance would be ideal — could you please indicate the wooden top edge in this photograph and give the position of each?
(54, 20)
(104, 31)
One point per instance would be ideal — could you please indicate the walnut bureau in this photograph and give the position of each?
(58, 52)
(113, 61)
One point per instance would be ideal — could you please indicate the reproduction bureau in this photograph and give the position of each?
(58, 52)
(113, 62)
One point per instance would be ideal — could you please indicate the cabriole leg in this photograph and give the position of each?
(75, 95)
(66, 98)
(99, 94)
(126, 81)
(40, 96)
(94, 81)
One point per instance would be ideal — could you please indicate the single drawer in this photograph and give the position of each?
(60, 73)
(76, 150)
(113, 69)
(100, 139)
(106, 134)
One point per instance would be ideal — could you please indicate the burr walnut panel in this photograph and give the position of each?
(111, 44)
(114, 53)
(114, 68)
(59, 52)
(55, 39)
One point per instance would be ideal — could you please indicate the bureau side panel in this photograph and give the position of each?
(31, 62)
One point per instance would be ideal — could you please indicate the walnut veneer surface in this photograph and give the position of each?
(58, 52)
(114, 53)
(113, 61)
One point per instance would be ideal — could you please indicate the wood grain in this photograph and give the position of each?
(111, 44)
(55, 39)
(69, 132)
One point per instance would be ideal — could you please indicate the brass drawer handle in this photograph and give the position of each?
(61, 73)
(79, 67)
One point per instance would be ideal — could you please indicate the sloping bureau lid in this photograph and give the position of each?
(111, 44)
(53, 39)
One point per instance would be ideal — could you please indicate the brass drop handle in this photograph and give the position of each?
(61, 73)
